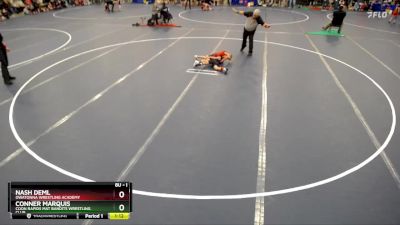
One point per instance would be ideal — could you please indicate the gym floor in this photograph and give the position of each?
(307, 120)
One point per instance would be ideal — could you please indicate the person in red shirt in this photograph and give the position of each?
(215, 60)
(224, 55)
(4, 62)
(395, 14)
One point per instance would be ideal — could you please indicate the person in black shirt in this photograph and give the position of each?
(4, 62)
(337, 20)
(165, 14)
(109, 3)
(252, 21)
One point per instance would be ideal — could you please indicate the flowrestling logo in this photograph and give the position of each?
(379, 15)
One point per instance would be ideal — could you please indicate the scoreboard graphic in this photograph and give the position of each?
(72, 200)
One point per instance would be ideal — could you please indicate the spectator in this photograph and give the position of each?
(4, 9)
(291, 4)
(17, 6)
(109, 3)
(206, 5)
(395, 14)
(4, 62)
(357, 6)
(51, 6)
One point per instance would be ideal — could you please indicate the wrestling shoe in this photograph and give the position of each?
(196, 63)
(225, 71)
(8, 82)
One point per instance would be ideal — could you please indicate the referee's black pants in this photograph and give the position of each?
(5, 73)
(249, 34)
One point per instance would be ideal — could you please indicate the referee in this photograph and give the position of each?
(252, 21)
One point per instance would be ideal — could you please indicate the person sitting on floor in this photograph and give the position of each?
(155, 11)
(166, 16)
(337, 20)
(215, 61)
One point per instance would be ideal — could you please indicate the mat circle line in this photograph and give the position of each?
(208, 197)
(47, 53)
(242, 24)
